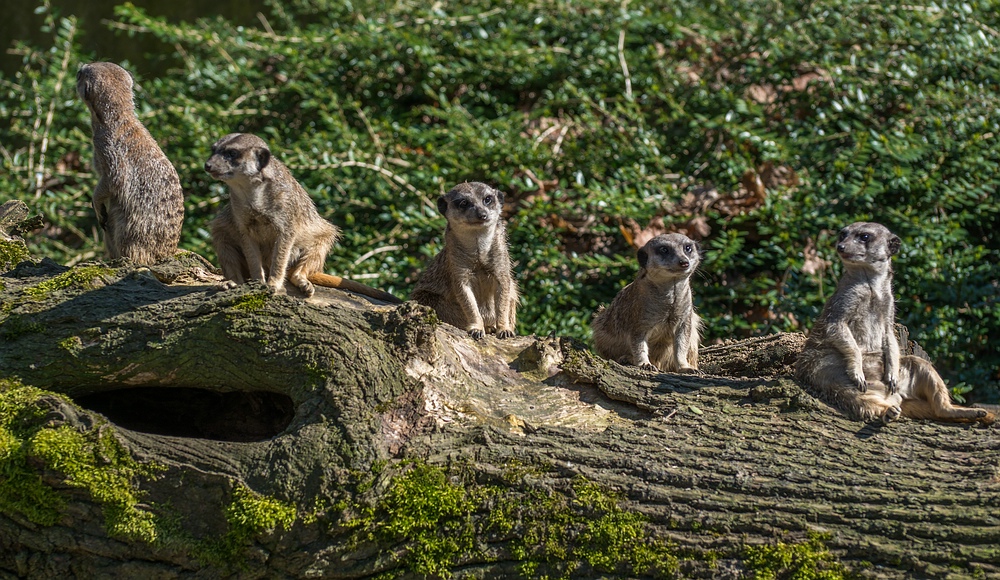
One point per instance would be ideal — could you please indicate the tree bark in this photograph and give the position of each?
(248, 404)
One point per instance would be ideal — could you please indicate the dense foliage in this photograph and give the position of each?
(759, 128)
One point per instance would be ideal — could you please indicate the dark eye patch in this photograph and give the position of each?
(864, 237)
(462, 203)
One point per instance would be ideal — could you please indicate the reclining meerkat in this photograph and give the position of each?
(651, 323)
(270, 230)
(852, 358)
(138, 198)
(469, 283)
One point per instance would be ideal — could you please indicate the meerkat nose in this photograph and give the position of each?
(841, 247)
(684, 264)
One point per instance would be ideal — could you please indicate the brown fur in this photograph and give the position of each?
(651, 323)
(852, 357)
(469, 283)
(138, 198)
(270, 231)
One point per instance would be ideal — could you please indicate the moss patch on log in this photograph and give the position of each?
(248, 515)
(808, 560)
(12, 253)
(33, 442)
(82, 276)
(440, 520)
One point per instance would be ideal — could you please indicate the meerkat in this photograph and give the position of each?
(852, 356)
(270, 230)
(469, 283)
(651, 323)
(138, 198)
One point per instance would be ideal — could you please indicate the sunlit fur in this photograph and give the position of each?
(138, 198)
(651, 323)
(852, 357)
(469, 283)
(270, 230)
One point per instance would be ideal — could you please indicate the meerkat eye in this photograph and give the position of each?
(843, 236)
(488, 200)
(663, 250)
(687, 248)
(865, 237)
(463, 204)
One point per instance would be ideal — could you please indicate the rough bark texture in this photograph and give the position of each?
(281, 431)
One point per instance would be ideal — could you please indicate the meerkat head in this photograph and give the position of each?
(866, 243)
(105, 87)
(471, 204)
(669, 256)
(239, 156)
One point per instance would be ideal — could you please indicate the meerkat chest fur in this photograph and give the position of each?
(868, 305)
(476, 252)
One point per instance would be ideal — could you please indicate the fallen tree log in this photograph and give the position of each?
(154, 426)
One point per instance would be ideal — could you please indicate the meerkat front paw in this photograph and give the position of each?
(477, 333)
(891, 414)
(506, 334)
(858, 377)
(307, 288)
(226, 285)
(649, 367)
(891, 385)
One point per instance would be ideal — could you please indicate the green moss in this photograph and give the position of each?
(92, 460)
(429, 513)
(808, 560)
(82, 276)
(71, 344)
(438, 521)
(251, 302)
(12, 253)
(248, 516)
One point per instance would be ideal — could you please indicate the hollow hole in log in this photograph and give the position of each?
(190, 412)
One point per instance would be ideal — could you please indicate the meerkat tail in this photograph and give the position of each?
(328, 281)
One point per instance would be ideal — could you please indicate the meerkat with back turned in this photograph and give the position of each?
(852, 356)
(469, 283)
(271, 231)
(138, 198)
(651, 323)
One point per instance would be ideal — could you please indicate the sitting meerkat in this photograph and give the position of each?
(270, 230)
(651, 323)
(138, 198)
(852, 358)
(469, 283)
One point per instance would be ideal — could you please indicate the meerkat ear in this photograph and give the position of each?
(443, 205)
(499, 197)
(894, 244)
(263, 158)
(643, 257)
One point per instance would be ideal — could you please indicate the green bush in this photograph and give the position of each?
(760, 128)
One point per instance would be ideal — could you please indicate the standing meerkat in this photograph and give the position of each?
(651, 323)
(270, 230)
(852, 357)
(138, 198)
(469, 283)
